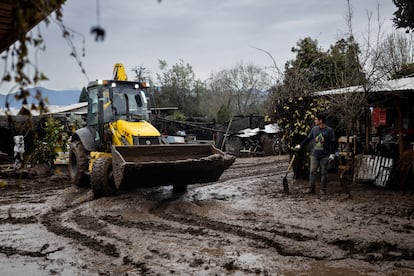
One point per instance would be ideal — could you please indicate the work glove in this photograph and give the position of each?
(297, 147)
(331, 157)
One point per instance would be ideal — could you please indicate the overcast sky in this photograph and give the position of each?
(210, 35)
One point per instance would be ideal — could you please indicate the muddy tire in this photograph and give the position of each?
(78, 164)
(102, 178)
(279, 147)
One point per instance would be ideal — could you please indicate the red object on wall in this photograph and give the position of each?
(379, 117)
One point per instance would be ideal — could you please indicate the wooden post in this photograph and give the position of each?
(400, 127)
(367, 130)
(226, 134)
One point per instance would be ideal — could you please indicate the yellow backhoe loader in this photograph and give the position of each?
(120, 149)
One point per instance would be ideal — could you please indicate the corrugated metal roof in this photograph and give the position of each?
(33, 11)
(248, 132)
(403, 84)
(395, 85)
(77, 108)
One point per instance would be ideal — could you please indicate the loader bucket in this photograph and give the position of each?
(160, 165)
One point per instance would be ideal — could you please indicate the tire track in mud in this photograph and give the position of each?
(52, 222)
(238, 172)
(371, 252)
(9, 251)
(21, 193)
(30, 195)
(19, 220)
(195, 229)
(157, 227)
(374, 251)
(185, 218)
(172, 220)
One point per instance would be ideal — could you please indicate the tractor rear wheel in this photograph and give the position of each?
(78, 164)
(102, 178)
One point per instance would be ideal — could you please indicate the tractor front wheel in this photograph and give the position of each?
(102, 178)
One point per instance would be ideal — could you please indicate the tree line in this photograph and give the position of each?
(282, 94)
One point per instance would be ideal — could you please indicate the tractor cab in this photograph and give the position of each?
(109, 101)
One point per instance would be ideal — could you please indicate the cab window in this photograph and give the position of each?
(92, 118)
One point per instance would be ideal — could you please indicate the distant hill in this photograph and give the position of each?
(55, 97)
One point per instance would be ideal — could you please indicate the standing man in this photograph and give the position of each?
(323, 141)
(18, 151)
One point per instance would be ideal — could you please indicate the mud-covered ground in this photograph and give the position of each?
(242, 224)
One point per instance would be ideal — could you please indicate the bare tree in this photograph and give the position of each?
(142, 74)
(349, 106)
(277, 75)
(217, 101)
(397, 51)
(241, 89)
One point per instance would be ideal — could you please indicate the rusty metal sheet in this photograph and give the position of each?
(371, 168)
